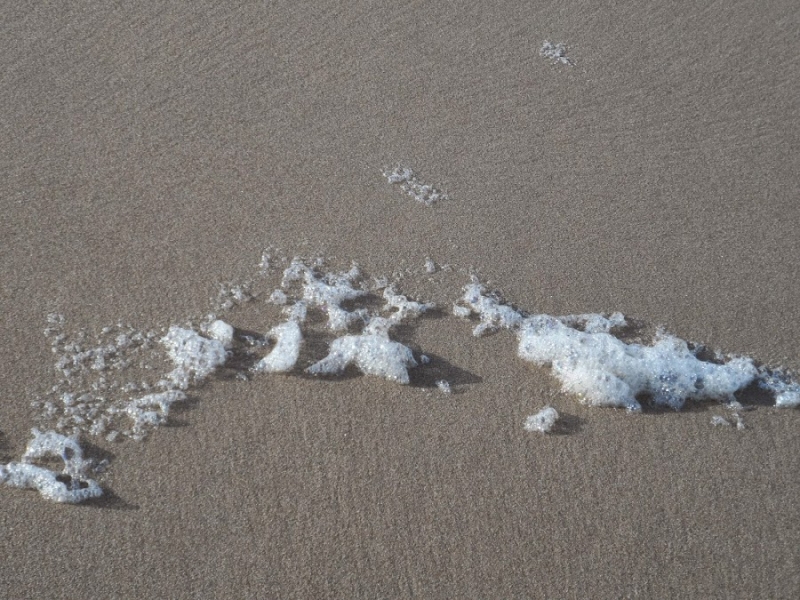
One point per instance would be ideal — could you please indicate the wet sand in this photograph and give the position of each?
(150, 153)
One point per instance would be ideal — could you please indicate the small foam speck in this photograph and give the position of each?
(543, 421)
(555, 52)
(412, 185)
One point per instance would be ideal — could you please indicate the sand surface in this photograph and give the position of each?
(148, 153)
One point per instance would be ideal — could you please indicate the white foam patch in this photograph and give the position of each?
(328, 291)
(222, 332)
(372, 352)
(492, 312)
(606, 371)
(403, 307)
(288, 340)
(412, 185)
(555, 52)
(151, 411)
(444, 386)
(780, 383)
(71, 486)
(194, 356)
(602, 369)
(543, 421)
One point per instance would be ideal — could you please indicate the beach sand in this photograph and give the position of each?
(150, 153)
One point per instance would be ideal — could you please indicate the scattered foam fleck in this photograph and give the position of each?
(430, 266)
(411, 184)
(444, 386)
(555, 52)
(719, 421)
(542, 421)
(739, 422)
(151, 411)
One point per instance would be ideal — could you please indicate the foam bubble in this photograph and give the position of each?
(222, 332)
(542, 421)
(444, 386)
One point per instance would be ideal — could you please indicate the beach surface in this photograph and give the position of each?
(149, 154)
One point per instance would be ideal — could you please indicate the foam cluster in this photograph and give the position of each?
(150, 411)
(411, 184)
(194, 356)
(327, 291)
(72, 485)
(98, 393)
(603, 370)
(372, 352)
(555, 52)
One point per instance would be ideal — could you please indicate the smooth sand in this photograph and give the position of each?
(149, 153)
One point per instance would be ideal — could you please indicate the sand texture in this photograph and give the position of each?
(149, 153)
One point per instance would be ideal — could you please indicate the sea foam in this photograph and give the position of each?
(555, 52)
(412, 185)
(587, 354)
(71, 486)
(603, 370)
(372, 351)
(288, 339)
(194, 356)
(543, 421)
